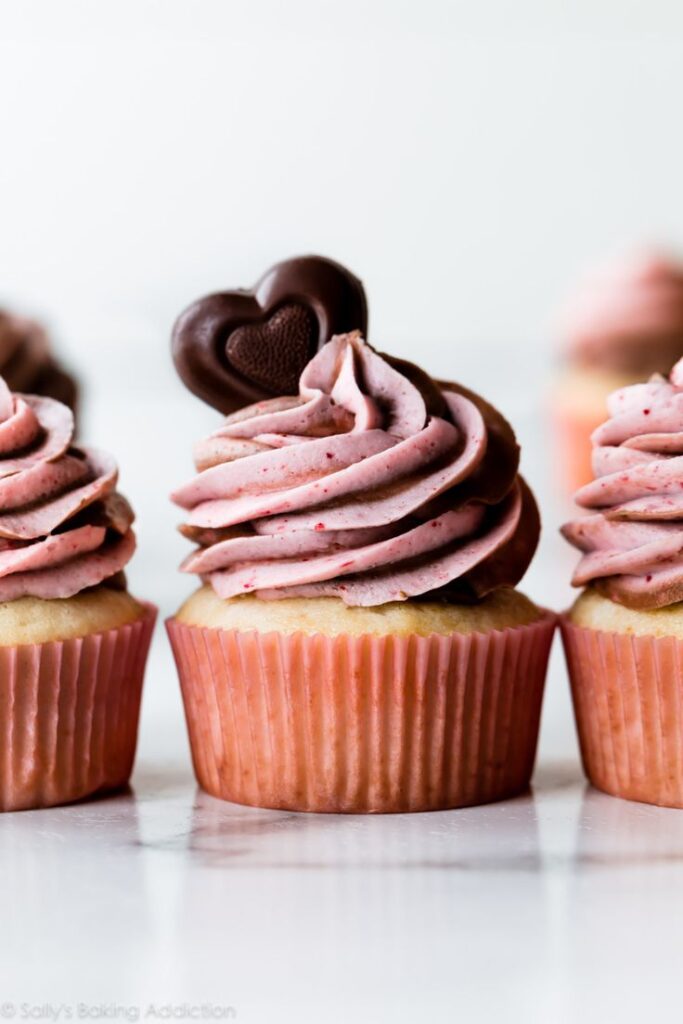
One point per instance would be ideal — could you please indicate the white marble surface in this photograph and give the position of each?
(557, 906)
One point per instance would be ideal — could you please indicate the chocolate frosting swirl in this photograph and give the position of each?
(633, 543)
(63, 526)
(374, 484)
(27, 364)
(629, 318)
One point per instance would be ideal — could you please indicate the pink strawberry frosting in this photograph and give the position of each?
(629, 317)
(374, 484)
(63, 527)
(632, 544)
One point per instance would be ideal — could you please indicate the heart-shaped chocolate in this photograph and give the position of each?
(235, 348)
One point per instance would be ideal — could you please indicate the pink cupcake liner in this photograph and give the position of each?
(69, 715)
(628, 703)
(362, 724)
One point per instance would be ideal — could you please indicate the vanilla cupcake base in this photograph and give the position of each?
(71, 675)
(626, 674)
(313, 706)
(33, 620)
(329, 615)
(593, 611)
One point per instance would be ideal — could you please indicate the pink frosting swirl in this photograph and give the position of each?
(373, 485)
(629, 317)
(633, 544)
(63, 526)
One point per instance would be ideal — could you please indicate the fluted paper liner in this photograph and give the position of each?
(628, 702)
(366, 723)
(69, 715)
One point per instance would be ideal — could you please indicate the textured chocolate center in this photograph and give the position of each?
(274, 353)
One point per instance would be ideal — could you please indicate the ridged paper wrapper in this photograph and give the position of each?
(628, 702)
(69, 714)
(362, 723)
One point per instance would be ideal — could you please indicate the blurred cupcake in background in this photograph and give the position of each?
(28, 364)
(625, 324)
(623, 637)
(73, 641)
(358, 643)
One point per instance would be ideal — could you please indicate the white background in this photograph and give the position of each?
(466, 160)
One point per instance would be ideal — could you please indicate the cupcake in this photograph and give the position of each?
(623, 638)
(73, 642)
(27, 363)
(626, 325)
(357, 643)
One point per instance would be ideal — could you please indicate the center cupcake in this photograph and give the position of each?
(357, 644)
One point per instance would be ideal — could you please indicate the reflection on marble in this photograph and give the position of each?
(541, 909)
(227, 836)
(619, 834)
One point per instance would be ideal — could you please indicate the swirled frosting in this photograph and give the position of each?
(63, 526)
(27, 363)
(374, 484)
(628, 318)
(632, 544)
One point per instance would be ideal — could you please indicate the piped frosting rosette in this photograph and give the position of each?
(632, 544)
(63, 526)
(374, 484)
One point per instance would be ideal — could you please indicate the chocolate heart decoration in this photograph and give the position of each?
(235, 348)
